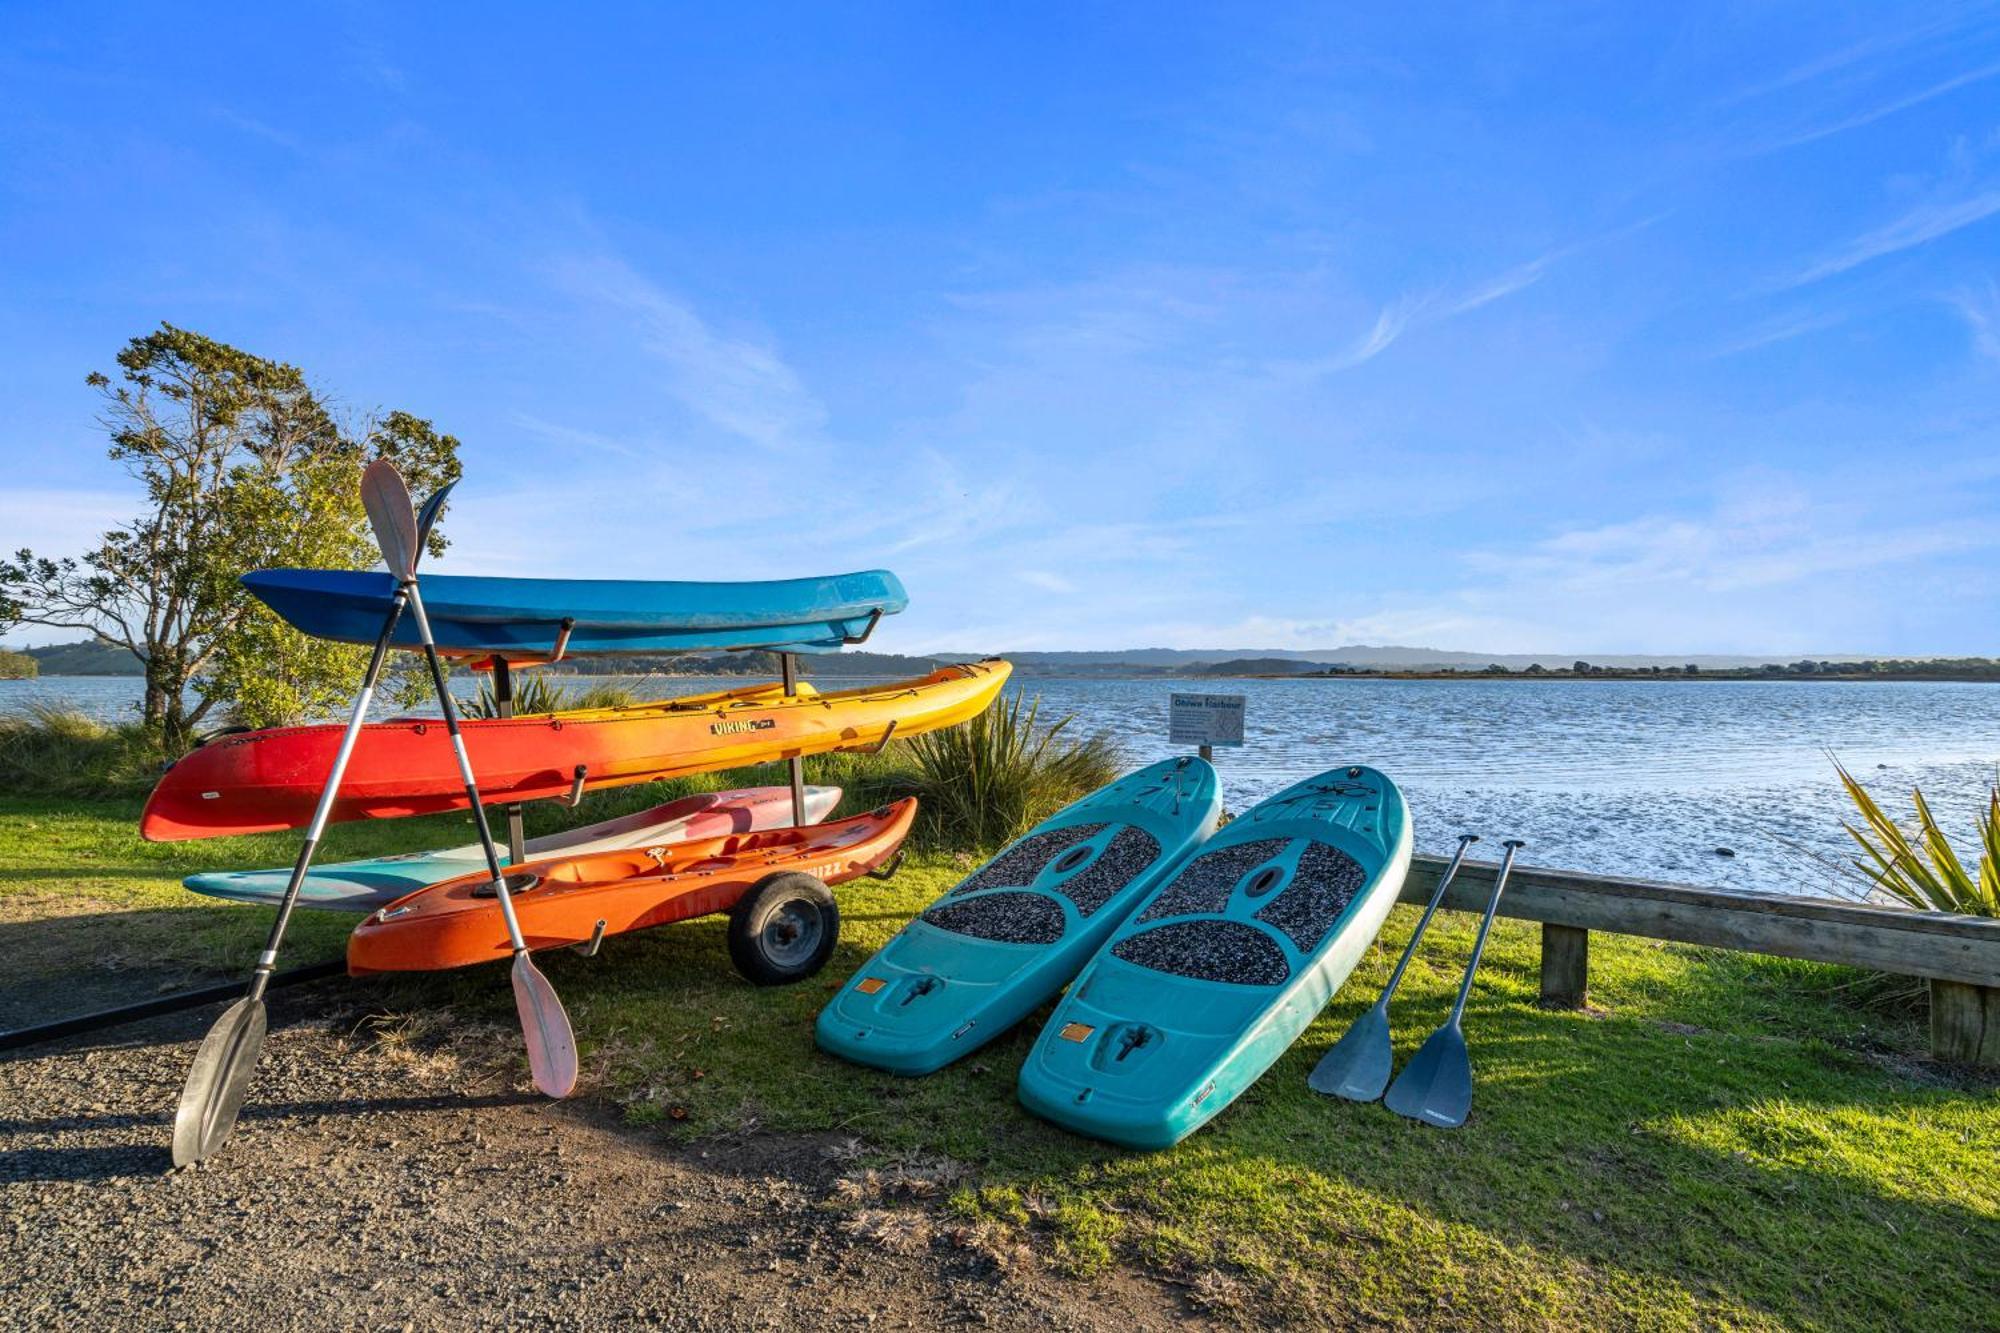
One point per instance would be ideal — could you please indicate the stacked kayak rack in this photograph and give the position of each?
(765, 856)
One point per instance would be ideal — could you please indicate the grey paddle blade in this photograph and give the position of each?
(387, 501)
(551, 1044)
(427, 517)
(218, 1081)
(1436, 1086)
(1357, 1066)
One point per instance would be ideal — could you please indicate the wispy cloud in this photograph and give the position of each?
(1919, 226)
(1416, 309)
(1784, 328)
(739, 384)
(1980, 308)
(576, 437)
(1869, 116)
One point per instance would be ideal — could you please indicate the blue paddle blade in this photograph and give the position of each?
(1357, 1066)
(427, 516)
(1436, 1086)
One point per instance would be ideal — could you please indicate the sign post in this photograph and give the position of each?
(1205, 721)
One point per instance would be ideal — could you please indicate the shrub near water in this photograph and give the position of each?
(985, 782)
(61, 752)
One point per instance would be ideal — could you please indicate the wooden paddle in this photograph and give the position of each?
(544, 1023)
(1357, 1066)
(1436, 1086)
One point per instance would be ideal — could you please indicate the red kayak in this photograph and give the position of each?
(772, 882)
(261, 781)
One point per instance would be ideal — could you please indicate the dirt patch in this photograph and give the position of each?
(398, 1177)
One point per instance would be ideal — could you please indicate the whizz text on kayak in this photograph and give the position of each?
(744, 724)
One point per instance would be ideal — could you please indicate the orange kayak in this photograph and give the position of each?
(262, 781)
(579, 899)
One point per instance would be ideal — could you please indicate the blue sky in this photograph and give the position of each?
(1513, 328)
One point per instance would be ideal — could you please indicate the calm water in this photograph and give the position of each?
(1625, 777)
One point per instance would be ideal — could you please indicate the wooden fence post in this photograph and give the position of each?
(1565, 966)
(1965, 1023)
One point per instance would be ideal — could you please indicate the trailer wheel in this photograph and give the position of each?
(784, 929)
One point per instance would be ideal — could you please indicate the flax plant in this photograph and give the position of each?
(1926, 873)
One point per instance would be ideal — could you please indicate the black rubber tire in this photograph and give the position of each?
(788, 903)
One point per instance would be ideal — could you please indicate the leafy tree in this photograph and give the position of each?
(244, 466)
(17, 666)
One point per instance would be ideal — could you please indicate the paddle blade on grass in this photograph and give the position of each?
(551, 1044)
(217, 1083)
(1357, 1066)
(1436, 1086)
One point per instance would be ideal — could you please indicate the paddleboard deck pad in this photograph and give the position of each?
(580, 899)
(1000, 944)
(1219, 971)
(363, 886)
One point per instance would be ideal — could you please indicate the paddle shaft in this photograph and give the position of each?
(1485, 926)
(465, 767)
(1465, 840)
(267, 962)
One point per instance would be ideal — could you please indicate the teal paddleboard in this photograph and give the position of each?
(1217, 974)
(985, 955)
(363, 886)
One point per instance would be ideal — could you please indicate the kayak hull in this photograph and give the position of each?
(1005, 940)
(262, 781)
(363, 886)
(529, 617)
(454, 924)
(1207, 984)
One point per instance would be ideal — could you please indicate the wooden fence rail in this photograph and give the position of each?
(1958, 955)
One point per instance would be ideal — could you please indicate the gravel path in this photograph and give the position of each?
(399, 1179)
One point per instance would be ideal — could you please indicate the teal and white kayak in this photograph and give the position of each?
(1217, 974)
(985, 955)
(363, 886)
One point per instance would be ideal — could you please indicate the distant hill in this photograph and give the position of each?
(1252, 666)
(85, 659)
(1169, 661)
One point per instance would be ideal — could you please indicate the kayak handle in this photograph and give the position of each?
(888, 871)
(883, 744)
(874, 619)
(575, 797)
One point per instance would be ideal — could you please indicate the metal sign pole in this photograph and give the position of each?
(503, 698)
(789, 665)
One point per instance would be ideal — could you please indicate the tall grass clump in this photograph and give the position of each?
(985, 782)
(539, 694)
(60, 752)
(1926, 873)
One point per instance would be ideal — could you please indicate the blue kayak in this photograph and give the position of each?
(551, 617)
(1214, 978)
(988, 953)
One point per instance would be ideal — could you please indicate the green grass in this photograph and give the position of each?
(1721, 1141)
